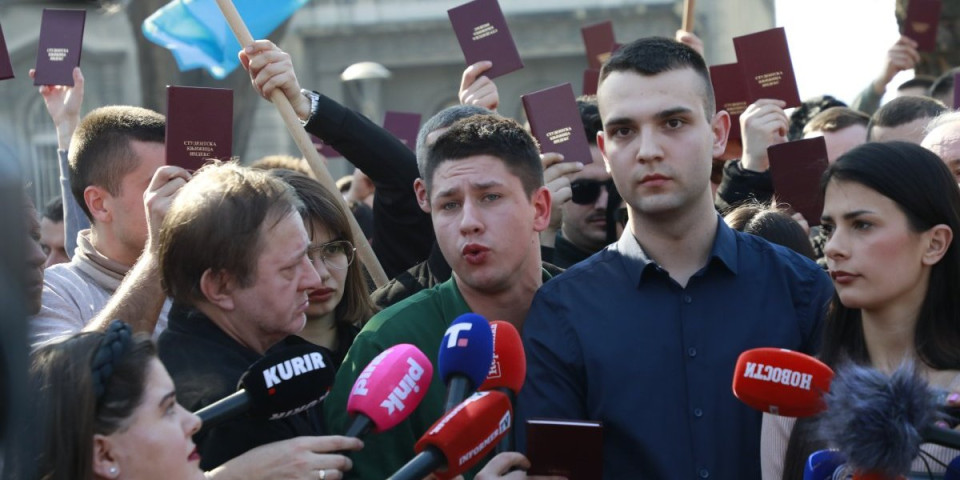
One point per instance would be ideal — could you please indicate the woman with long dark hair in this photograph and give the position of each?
(892, 216)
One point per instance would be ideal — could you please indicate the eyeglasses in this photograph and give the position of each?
(337, 254)
(586, 191)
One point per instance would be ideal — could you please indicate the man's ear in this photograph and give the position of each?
(218, 288)
(99, 203)
(420, 188)
(721, 130)
(541, 201)
(603, 150)
(105, 464)
(939, 239)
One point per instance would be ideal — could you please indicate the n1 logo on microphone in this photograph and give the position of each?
(454, 340)
(276, 374)
(783, 376)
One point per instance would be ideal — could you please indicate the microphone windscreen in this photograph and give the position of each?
(509, 366)
(466, 349)
(876, 421)
(469, 432)
(822, 464)
(289, 381)
(391, 386)
(781, 382)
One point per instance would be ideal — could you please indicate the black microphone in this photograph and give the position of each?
(278, 385)
(878, 422)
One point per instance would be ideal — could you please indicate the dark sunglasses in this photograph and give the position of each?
(586, 191)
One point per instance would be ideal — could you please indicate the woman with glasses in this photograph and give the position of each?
(342, 305)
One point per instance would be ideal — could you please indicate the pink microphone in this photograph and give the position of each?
(391, 386)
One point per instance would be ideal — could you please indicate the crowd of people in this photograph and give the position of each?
(636, 276)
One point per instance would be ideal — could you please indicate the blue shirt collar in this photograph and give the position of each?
(637, 263)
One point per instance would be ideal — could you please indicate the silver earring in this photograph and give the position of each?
(114, 470)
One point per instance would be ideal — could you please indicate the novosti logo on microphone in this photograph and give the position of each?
(783, 376)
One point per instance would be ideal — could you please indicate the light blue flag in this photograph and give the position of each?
(199, 37)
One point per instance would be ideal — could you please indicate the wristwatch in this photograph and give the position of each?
(314, 98)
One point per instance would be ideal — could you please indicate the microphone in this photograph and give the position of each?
(461, 438)
(822, 464)
(390, 387)
(508, 370)
(781, 382)
(278, 385)
(466, 353)
(879, 422)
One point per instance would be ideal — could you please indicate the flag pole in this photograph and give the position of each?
(306, 147)
(688, 6)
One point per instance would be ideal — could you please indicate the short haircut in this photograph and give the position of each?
(100, 152)
(651, 56)
(903, 110)
(53, 210)
(945, 118)
(216, 223)
(286, 162)
(771, 223)
(808, 109)
(590, 116)
(443, 119)
(834, 119)
(919, 81)
(489, 135)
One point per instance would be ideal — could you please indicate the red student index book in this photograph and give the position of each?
(599, 40)
(6, 68)
(591, 80)
(403, 125)
(199, 125)
(922, 22)
(555, 123)
(568, 448)
(765, 60)
(482, 32)
(796, 168)
(730, 90)
(58, 51)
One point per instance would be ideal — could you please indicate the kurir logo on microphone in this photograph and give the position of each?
(296, 366)
(453, 335)
(407, 384)
(783, 376)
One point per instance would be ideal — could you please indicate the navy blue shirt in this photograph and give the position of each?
(615, 339)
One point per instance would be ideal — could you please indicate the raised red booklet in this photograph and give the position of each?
(765, 60)
(730, 90)
(591, 79)
(199, 125)
(568, 448)
(555, 123)
(796, 168)
(405, 126)
(58, 51)
(6, 69)
(599, 40)
(482, 32)
(922, 22)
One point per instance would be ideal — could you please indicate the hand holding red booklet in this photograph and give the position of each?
(922, 22)
(599, 40)
(765, 60)
(568, 448)
(555, 123)
(796, 168)
(199, 125)
(58, 51)
(482, 32)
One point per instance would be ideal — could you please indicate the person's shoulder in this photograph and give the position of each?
(405, 315)
(767, 254)
(598, 270)
(67, 276)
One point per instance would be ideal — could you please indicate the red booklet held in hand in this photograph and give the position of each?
(555, 123)
(730, 90)
(58, 52)
(922, 22)
(199, 125)
(6, 69)
(591, 80)
(599, 40)
(568, 448)
(405, 126)
(765, 59)
(796, 168)
(482, 32)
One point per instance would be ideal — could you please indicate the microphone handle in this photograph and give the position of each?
(360, 426)
(458, 390)
(422, 465)
(941, 436)
(506, 443)
(224, 409)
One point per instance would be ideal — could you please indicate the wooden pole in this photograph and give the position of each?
(306, 147)
(688, 6)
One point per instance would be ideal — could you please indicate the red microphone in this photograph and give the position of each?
(507, 371)
(781, 382)
(461, 438)
(391, 387)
